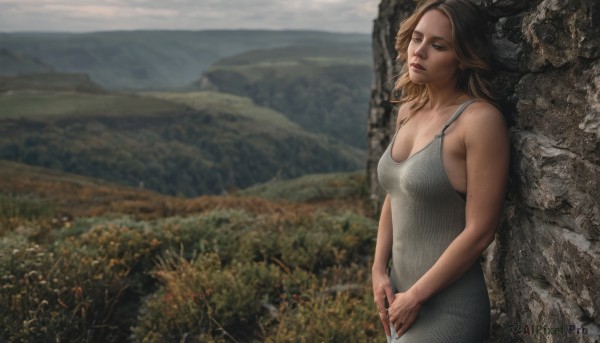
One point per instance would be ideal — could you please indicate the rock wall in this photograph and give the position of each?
(543, 269)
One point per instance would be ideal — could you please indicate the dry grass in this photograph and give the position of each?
(78, 196)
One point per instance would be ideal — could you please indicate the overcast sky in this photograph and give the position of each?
(103, 15)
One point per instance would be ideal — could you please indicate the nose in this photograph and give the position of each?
(420, 50)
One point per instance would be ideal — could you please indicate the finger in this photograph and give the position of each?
(386, 323)
(392, 317)
(399, 329)
(390, 295)
(404, 327)
(380, 302)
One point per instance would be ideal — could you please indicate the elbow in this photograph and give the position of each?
(480, 239)
(485, 240)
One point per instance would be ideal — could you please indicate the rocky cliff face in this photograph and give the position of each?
(543, 270)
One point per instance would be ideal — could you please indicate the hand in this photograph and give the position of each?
(382, 291)
(403, 312)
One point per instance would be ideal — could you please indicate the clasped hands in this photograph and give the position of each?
(402, 311)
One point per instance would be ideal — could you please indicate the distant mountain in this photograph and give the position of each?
(156, 60)
(18, 63)
(174, 143)
(323, 88)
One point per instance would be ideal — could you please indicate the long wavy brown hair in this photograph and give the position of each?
(471, 43)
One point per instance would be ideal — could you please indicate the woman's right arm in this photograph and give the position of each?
(382, 287)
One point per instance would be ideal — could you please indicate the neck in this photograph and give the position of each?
(443, 97)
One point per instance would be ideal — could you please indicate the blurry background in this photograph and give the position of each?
(185, 171)
(187, 101)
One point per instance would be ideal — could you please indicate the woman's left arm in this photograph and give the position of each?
(487, 159)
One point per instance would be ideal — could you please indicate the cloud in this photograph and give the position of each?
(107, 12)
(89, 15)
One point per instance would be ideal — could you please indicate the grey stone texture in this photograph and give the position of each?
(543, 269)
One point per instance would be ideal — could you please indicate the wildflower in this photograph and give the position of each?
(77, 291)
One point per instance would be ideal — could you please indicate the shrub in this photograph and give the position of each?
(338, 318)
(73, 290)
(16, 209)
(236, 276)
(203, 298)
(311, 243)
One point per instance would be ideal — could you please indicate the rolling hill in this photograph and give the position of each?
(35, 192)
(174, 143)
(14, 64)
(324, 89)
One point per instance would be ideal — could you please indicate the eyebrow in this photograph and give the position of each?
(434, 37)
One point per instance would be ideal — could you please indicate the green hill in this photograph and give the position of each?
(187, 144)
(324, 89)
(155, 60)
(313, 187)
(14, 64)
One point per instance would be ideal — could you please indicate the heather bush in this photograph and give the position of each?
(222, 275)
(312, 243)
(62, 295)
(72, 290)
(216, 231)
(203, 298)
(248, 269)
(321, 318)
(16, 209)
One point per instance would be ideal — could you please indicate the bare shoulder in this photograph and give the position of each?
(483, 120)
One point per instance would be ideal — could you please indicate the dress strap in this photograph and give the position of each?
(460, 110)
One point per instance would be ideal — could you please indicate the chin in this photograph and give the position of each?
(417, 80)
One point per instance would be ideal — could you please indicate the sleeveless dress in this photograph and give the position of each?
(427, 215)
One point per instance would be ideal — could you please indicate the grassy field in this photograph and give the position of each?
(228, 104)
(31, 104)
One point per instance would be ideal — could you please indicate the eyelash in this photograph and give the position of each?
(435, 46)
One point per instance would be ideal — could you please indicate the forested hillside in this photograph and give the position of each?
(324, 89)
(315, 84)
(13, 64)
(173, 143)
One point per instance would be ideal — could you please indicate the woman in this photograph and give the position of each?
(445, 173)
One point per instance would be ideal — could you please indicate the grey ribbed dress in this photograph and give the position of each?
(427, 215)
